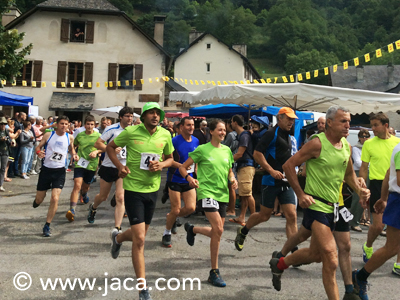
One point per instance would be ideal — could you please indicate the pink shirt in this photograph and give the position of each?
(38, 133)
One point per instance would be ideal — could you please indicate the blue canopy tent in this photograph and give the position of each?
(14, 100)
(225, 111)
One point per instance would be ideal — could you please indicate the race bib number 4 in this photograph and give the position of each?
(83, 163)
(56, 156)
(146, 158)
(210, 203)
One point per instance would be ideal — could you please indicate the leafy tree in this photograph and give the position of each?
(123, 5)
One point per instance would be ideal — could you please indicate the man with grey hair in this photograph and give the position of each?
(328, 162)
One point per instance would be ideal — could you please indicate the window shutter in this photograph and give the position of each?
(61, 72)
(37, 72)
(112, 75)
(137, 110)
(64, 30)
(88, 74)
(89, 34)
(138, 76)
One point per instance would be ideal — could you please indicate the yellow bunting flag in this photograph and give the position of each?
(118, 83)
(397, 44)
(196, 82)
(316, 73)
(3, 82)
(326, 70)
(248, 81)
(126, 82)
(300, 77)
(213, 83)
(43, 83)
(185, 81)
(81, 84)
(134, 82)
(255, 81)
(63, 84)
(334, 68)
(231, 82)
(208, 81)
(33, 83)
(167, 78)
(225, 83)
(142, 81)
(182, 80)
(235, 82)
(157, 79)
(241, 82)
(262, 80)
(219, 82)
(202, 82)
(284, 79)
(53, 84)
(308, 75)
(390, 48)
(72, 84)
(14, 83)
(367, 57)
(356, 61)
(111, 84)
(345, 65)
(191, 81)
(276, 79)
(89, 84)
(106, 84)
(269, 80)
(150, 80)
(291, 78)
(378, 53)
(97, 84)
(23, 82)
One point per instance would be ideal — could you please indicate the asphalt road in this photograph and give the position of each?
(80, 250)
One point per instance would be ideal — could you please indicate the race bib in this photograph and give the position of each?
(83, 163)
(210, 203)
(191, 170)
(56, 156)
(335, 212)
(146, 158)
(122, 153)
(346, 215)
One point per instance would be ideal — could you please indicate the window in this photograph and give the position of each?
(32, 71)
(208, 46)
(122, 73)
(208, 67)
(75, 72)
(125, 76)
(77, 31)
(26, 75)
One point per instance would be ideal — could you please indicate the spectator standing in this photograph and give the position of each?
(27, 141)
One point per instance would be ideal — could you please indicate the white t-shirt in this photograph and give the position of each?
(394, 165)
(109, 134)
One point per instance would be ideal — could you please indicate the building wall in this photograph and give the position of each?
(114, 42)
(225, 64)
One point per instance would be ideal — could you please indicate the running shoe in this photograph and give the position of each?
(115, 247)
(216, 279)
(239, 240)
(276, 273)
(25, 177)
(189, 233)
(2, 189)
(46, 231)
(166, 241)
(145, 295)
(33, 172)
(367, 252)
(178, 222)
(351, 296)
(70, 215)
(113, 202)
(396, 269)
(91, 215)
(360, 286)
(174, 228)
(85, 199)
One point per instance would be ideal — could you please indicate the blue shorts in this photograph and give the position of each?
(391, 215)
(284, 193)
(309, 216)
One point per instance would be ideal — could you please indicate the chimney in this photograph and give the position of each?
(360, 73)
(390, 69)
(194, 34)
(159, 21)
(10, 15)
(241, 48)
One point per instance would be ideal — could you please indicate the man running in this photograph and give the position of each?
(86, 166)
(178, 187)
(272, 151)
(328, 162)
(375, 156)
(145, 144)
(389, 205)
(108, 172)
(52, 174)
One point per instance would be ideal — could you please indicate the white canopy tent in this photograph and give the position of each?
(110, 112)
(299, 96)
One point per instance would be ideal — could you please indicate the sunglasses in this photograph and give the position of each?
(366, 136)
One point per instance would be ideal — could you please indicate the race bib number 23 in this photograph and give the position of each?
(146, 158)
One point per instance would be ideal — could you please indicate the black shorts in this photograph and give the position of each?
(51, 179)
(375, 187)
(221, 210)
(108, 174)
(284, 193)
(309, 216)
(140, 207)
(179, 187)
(342, 225)
(87, 175)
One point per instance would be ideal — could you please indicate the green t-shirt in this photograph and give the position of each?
(377, 153)
(85, 145)
(142, 147)
(325, 174)
(213, 171)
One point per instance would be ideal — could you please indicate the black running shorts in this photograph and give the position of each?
(342, 225)
(309, 216)
(221, 210)
(87, 175)
(375, 186)
(179, 187)
(140, 207)
(51, 179)
(108, 174)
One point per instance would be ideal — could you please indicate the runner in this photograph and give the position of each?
(145, 144)
(108, 172)
(272, 151)
(328, 162)
(178, 187)
(389, 205)
(86, 166)
(375, 156)
(52, 174)
(214, 171)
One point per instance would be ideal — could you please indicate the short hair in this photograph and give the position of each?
(125, 110)
(383, 118)
(102, 119)
(39, 118)
(183, 120)
(332, 111)
(363, 132)
(60, 118)
(214, 124)
(203, 122)
(238, 119)
(49, 117)
(90, 118)
(26, 123)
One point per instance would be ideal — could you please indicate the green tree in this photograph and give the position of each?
(12, 51)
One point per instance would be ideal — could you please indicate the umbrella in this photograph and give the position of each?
(299, 96)
(110, 112)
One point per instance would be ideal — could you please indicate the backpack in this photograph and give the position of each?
(256, 137)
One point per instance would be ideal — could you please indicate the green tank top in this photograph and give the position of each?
(325, 174)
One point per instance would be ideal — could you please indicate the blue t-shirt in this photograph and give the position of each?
(181, 154)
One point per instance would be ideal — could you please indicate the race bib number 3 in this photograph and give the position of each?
(83, 163)
(210, 203)
(146, 158)
(56, 156)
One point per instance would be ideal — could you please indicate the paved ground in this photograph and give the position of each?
(81, 250)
